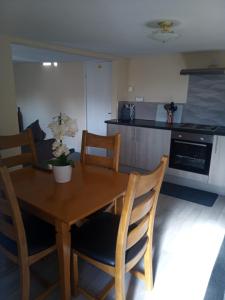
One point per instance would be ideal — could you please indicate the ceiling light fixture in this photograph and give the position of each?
(46, 64)
(49, 64)
(165, 32)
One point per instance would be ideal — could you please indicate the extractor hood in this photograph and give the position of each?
(205, 71)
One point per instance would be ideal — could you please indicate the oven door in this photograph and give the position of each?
(190, 156)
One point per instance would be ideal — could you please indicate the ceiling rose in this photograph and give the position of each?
(165, 31)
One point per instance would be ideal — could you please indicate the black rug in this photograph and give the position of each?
(189, 194)
(216, 285)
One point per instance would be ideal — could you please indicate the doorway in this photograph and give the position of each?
(98, 96)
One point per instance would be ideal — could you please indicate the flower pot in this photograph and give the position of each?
(62, 174)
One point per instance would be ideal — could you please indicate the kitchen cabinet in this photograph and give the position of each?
(141, 147)
(217, 166)
(151, 144)
(127, 148)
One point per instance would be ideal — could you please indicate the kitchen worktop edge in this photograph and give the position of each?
(164, 125)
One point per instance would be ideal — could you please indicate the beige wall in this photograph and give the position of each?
(8, 112)
(119, 83)
(204, 59)
(157, 78)
(42, 93)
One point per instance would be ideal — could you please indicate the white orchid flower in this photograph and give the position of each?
(55, 145)
(62, 126)
(60, 150)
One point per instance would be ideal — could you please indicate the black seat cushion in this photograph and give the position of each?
(40, 235)
(97, 239)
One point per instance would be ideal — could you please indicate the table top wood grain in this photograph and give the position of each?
(90, 189)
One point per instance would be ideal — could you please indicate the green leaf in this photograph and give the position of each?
(61, 161)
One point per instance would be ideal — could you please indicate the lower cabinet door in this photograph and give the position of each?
(217, 165)
(141, 147)
(151, 145)
(127, 148)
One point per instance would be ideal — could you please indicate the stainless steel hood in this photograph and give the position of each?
(205, 71)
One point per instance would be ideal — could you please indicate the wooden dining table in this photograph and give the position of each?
(63, 204)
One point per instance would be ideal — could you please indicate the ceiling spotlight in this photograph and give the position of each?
(165, 32)
(46, 64)
(49, 64)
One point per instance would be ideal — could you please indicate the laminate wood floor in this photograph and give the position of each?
(187, 239)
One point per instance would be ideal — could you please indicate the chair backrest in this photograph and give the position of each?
(138, 213)
(110, 143)
(13, 141)
(11, 223)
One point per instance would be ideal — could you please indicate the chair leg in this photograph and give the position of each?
(120, 285)
(25, 282)
(75, 274)
(148, 268)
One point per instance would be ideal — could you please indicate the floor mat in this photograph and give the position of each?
(189, 194)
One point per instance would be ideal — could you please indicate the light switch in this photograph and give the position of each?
(130, 88)
(139, 99)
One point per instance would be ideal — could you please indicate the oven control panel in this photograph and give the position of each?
(194, 137)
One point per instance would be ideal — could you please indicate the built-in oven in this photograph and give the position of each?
(191, 152)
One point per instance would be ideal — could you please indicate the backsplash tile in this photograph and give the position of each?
(205, 100)
(143, 110)
(161, 114)
(151, 111)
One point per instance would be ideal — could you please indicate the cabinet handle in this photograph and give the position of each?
(216, 145)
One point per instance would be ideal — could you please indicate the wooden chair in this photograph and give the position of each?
(110, 143)
(23, 241)
(13, 141)
(112, 146)
(116, 244)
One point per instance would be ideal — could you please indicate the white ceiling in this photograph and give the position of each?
(116, 26)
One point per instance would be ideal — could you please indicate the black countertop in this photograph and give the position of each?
(220, 130)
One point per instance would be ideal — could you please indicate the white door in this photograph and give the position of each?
(99, 96)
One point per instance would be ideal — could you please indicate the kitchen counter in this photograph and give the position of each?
(220, 130)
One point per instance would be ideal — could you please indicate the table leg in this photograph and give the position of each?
(63, 240)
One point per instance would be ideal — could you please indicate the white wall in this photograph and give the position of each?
(43, 93)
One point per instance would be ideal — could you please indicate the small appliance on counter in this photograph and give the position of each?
(127, 112)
